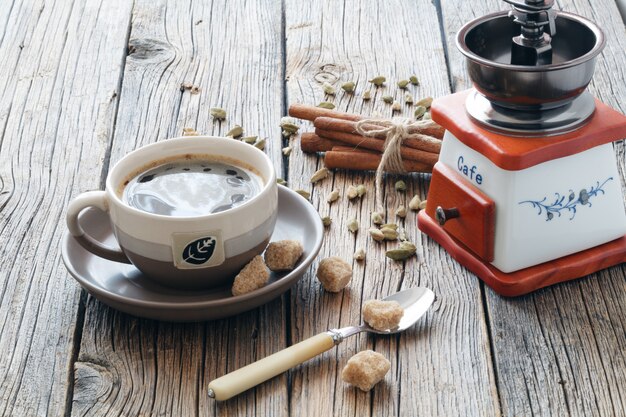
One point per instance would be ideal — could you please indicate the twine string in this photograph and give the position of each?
(396, 131)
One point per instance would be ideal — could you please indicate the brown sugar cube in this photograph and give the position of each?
(283, 255)
(365, 369)
(382, 315)
(334, 273)
(252, 277)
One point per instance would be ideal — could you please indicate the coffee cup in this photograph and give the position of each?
(200, 250)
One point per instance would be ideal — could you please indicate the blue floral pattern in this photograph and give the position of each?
(567, 203)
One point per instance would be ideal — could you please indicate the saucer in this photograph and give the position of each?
(125, 288)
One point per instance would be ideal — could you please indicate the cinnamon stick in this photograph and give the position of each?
(378, 145)
(366, 162)
(425, 135)
(303, 111)
(310, 142)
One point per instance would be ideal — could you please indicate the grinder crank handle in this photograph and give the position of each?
(242, 379)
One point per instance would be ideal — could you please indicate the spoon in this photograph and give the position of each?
(414, 301)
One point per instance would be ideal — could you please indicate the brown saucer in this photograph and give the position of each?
(124, 288)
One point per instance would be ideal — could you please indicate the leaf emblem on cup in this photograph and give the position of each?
(199, 251)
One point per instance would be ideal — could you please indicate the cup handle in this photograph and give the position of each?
(91, 199)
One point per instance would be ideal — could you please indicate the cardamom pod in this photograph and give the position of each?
(326, 221)
(348, 87)
(289, 126)
(328, 89)
(376, 234)
(359, 255)
(333, 196)
(217, 113)
(260, 144)
(408, 98)
(389, 233)
(408, 246)
(396, 106)
(378, 81)
(422, 205)
(426, 116)
(414, 204)
(353, 225)
(352, 192)
(304, 194)
(287, 150)
(326, 105)
(401, 212)
(189, 131)
(281, 181)
(400, 186)
(403, 83)
(399, 254)
(249, 139)
(367, 95)
(426, 102)
(235, 132)
(419, 111)
(377, 218)
(361, 190)
(389, 226)
(413, 79)
(319, 175)
(387, 99)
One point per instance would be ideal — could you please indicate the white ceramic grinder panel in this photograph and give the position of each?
(547, 211)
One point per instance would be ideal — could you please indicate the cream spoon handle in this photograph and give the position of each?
(242, 379)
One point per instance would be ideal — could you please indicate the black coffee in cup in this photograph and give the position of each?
(189, 186)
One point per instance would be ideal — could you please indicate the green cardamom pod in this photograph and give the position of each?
(250, 139)
(396, 106)
(359, 255)
(353, 225)
(403, 83)
(287, 150)
(413, 79)
(387, 99)
(352, 192)
(326, 221)
(328, 89)
(217, 113)
(419, 111)
(406, 245)
(389, 233)
(408, 98)
(235, 132)
(378, 81)
(414, 204)
(399, 254)
(376, 234)
(260, 144)
(361, 190)
(367, 95)
(377, 218)
(319, 175)
(400, 186)
(426, 102)
(401, 212)
(326, 105)
(348, 87)
(281, 181)
(333, 196)
(389, 226)
(304, 194)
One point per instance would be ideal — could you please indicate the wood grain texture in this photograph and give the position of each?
(560, 351)
(434, 371)
(59, 75)
(232, 52)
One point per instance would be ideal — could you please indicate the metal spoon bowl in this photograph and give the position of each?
(414, 301)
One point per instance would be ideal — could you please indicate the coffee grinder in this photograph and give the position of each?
(527, 192)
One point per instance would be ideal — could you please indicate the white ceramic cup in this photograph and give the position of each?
(159, 245)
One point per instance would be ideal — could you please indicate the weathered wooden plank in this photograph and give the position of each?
(232, 51)
(435, 371)
(59, 73)
(560, 351)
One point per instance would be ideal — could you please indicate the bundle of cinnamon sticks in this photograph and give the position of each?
(336, 135)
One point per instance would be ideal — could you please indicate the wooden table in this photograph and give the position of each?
(85, 82)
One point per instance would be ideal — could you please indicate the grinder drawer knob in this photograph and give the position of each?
(443, 215)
